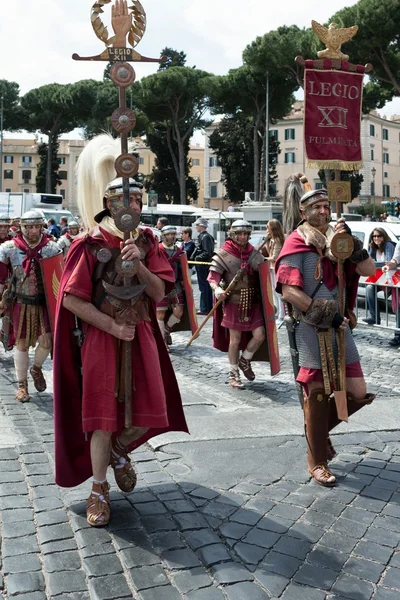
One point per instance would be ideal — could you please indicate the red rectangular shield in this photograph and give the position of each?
(190, 307)
(52, 269)
(267, 298)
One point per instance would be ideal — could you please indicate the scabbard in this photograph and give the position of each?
(290, 323)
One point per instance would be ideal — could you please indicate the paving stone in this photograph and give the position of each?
(299, 592)
(11, 477)
(385, 594)
(259, 504)
(365, 569)
(319, 519)
(230, 572)
(200, 538)
(53, 533)
(60, 546)
(393, 510)
(10, 465)
(387, 522)
(232, 499)
(148, 577)
(150, 508)
(281, 564)
(38, 469)
(170, 540)
(62, 561)
(191, 579)
(274, 492)
(376, 492)
(14, 502)
(97, 550)
(316, 576)
(293, 547)
(19, 546)
(180, 506)
(246, 488)
(382, 536)
(162, 593)
(275, 524)
(349, 528)
(250, 554)
(88, 537)
(17, 530)
(14, 564)
(245, 517)
(327, 557)
(64, 582)
(384, 484)
(109, 588)
(31, 596)
(35, 458)
(17, 515)
(272, 582)
(392, 578)
(353, 587)
(189, 521)
(53, 517)
(49, 503)
(303, 500)
(305, 531)
(341, 495)
(46, 491)
(371, 504)
(374, 552)
(24, 583)
(260, 537)
(395, 560)
(138, 556)
(203, 492)
(287, 512)
(328, 507)
(367, 470)
(244, 591)
(211, 555)
(234, 530)
(12, 489)
(105, 564)
(181, 559)
(219, 510)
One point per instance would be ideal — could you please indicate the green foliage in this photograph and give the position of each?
(354, 177)
(368, 209)
(42, 168)
(12, 116)
(377, 41)
(172, 57)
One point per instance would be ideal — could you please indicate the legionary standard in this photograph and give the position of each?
(115, 387)
(320, 265)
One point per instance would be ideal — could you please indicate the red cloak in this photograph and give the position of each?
(161, 412)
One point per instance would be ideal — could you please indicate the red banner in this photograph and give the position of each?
(332, 119)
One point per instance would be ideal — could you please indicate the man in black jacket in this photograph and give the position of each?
(203, 253)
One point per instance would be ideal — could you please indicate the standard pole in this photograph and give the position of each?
(267, 139)
(1, 142)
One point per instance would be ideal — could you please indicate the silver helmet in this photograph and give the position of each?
(240, 225)
(32, 217)
(115, 187)
(168, 229)
(73, 225)
(5, 219)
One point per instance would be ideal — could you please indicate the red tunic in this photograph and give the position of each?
(88, 403)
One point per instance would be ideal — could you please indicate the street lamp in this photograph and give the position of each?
(373, 171)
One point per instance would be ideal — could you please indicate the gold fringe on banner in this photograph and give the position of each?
(340, 165)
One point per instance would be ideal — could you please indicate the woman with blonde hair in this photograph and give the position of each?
(271, 250)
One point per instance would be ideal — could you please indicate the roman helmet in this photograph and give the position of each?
(5, 219)
(73, 225)
(238, 226)
(32, 217)
(166, 230)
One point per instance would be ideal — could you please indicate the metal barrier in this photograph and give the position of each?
(382, 290)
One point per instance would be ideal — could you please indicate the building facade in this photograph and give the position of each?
(380, 139)
(20, 162)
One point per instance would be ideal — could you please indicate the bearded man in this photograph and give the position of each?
(89, 377)
(31, 326)
(65, 241)
(307, 277)
(242, 310)
(175, 300)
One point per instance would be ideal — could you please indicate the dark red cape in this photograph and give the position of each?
(295, 244)
(72, 450)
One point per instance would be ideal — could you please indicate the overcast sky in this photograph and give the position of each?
(38, 37)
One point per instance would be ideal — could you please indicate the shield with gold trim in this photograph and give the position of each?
(189, 318)
(267, 299)
(52, 269)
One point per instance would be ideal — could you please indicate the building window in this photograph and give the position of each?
(385, 174)
(63, 175)
(62, 192)
(372, 154)
(213, 162)
(61, 160)
(141, 160)
(272, 190)
(27, 191)
(319, 185)
(385, 134)
(289, 157)
(8, 159)
(26, 176)
(195, 162)
(386, 157)
(8, 174)
(386, 190)
(289, 134)
(8, 190)
(213, 190)
(26, 160)
(372, 130)
(273, 134)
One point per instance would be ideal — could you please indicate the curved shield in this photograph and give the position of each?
(189, 318)
(267, 298)
(52, 269)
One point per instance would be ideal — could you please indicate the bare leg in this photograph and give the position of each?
(21, 362)
(256, 340)
(100, 448)
(234, 343)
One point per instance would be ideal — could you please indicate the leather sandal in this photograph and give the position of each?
(124, 473)
(98, 505)
(331, 452)
(234, 379)
(22, 394)
(38, 378)
(245, 366)
(322, 476)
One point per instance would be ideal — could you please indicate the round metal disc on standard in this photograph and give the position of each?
(127, 165)
(123, 120)
(122, 74)
(342, 245)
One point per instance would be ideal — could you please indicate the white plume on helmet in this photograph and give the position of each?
(94, 170)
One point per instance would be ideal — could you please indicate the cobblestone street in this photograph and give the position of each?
(226, 513)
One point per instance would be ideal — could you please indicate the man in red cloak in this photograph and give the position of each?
(89, 418)
(242, 311)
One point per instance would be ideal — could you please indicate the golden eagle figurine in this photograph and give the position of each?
(333, 37)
